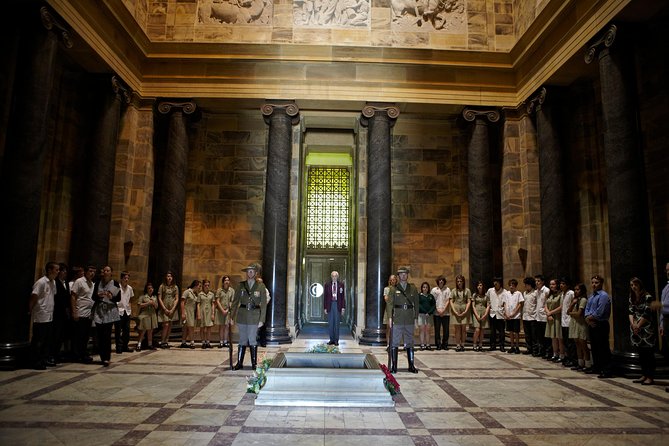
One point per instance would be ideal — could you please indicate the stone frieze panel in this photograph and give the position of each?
(234, 12)
(355, 14)
(426, 15)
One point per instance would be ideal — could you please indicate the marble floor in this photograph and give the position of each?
(191, 397)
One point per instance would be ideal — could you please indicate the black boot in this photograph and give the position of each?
(394, 352)
(254, 356)
(241, 350)
(410, 358)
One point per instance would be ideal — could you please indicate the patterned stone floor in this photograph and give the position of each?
(190, 397)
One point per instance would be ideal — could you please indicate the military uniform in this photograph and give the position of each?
(402, 308)
(250, 305)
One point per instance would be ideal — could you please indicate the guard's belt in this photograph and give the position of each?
(404, 307)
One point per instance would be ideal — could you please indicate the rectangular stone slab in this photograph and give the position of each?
(325, 380)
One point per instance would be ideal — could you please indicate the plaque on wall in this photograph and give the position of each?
(332, 13)
(234, 12)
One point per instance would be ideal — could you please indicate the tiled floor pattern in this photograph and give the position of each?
(191, 397)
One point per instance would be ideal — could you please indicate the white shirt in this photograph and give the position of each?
(441, 298)
(124, 303)
(45, 290)
(542, 294)
(496, 302)
(566, 301)
(530, 305)
(511, 300)
(83, 289)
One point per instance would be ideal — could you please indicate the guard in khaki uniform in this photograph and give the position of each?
(402, 312)
(249, 314)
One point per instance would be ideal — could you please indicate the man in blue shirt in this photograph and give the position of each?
(597, 312)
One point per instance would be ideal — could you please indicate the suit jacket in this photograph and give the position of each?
(341, 296)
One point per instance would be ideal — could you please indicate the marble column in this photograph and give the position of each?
(379, 120)
(555, 252)
(96, 216)
(479, 196)
(168, 245)
(280, 118)
(629, 226)
(22, 178)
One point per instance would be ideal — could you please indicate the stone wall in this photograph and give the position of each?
(429, 199)
(450, 24)
(225, 196)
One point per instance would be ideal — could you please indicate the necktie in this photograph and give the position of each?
(334, 290)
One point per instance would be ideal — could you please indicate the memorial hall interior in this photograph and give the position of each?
(487, 138)
(482, 137)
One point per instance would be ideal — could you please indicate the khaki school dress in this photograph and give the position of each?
(224, 298)
(170, 296)
(147, 320)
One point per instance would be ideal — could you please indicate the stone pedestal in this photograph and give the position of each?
(379, 120)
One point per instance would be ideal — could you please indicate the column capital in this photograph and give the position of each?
(470, 114)
(188, 107)
(370, 110)
(602, 42)
(290, 108)
(535, 102)
(120, 89)
(52, 24)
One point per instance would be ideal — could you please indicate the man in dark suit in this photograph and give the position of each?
(334, 305)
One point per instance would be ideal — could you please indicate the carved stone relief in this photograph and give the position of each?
(231, 12)
(332, 13)
(440, 15)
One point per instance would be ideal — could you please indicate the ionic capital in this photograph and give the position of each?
(120, 90)
(188, 107)
(52, 24)
(534, 103)
(290, 108)
(604, 41)
(470, 114)
(371, 110)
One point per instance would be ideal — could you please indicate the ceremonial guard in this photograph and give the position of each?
(402, 312)
(249, 313)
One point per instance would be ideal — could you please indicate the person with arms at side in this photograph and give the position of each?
(205, 312)
(40, 307)
(578, 329)
(512, 305)
(147, 321)
(106, 295)
(461, 303)
(334, 306)
(569, 345)
(442, 313)
(249, 313)
(597, 313)
(168, 304)
(496, 315)
(188, 311)
(529, 314)
(642, 330)
(402, 312)
(122, 326)
(224, 300)
(543, 343)
(480, 312)
(82, 305)
(426, 307)
(553, 309)
(61, 315)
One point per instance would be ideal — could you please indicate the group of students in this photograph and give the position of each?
(558, 321)
(63, 313)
